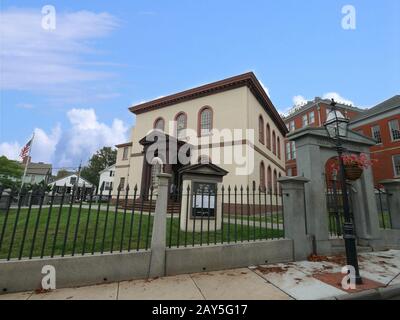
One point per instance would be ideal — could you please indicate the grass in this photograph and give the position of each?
(274, 218)
(113, 228)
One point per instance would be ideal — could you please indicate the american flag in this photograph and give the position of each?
(26, 149)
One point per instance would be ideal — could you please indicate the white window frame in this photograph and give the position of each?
(304, 123)
(125, 156)
(373, 133)
(391, 131)
(288, 151)
(293, 150)
(292, 126)
(311, 116)
(394, 166)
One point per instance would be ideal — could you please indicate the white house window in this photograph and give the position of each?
(72, 180)
(293, 145)
(312, 117)
(376, 133)
(396, 165)
(125, 154)
(112, 173)
(288, 154)
(394, 129)
(305, 120)
(180, 125)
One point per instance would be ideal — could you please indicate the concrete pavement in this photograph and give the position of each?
(306, 280)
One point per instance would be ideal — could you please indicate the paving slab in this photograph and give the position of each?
(236, 284)
(169, 288)
(296, 283)
(99, 292)
(16, 296)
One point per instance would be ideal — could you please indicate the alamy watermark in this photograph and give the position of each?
(49, 19)
(349, 20)
(349, 281)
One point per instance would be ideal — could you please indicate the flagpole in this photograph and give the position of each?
(27, 163)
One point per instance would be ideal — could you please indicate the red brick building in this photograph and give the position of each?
(382, 123)
(313, 114)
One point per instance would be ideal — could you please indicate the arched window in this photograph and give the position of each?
(273, 142)
(275, 181)
(156, 169)
(205, 121)
(261, 129)
(159, 124)
(181, 124)
(262, 175)
(279, 147)
(269, 178)
(268, 137)
(280, 187)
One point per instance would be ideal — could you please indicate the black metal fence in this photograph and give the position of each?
(335, 208)
(385, 218)
(41, 224)
(212, 215)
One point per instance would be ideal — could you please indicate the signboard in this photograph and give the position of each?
(204, 199)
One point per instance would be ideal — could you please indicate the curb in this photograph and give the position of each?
(386, 293)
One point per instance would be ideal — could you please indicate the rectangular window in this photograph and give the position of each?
(289, 172)
(72, 180)
(293, 145)
(312, 117)
(111, 173)
(376, 133)
(122, 183)
(292, 126)
(288, 154)
(305, 120)
(396, 165)
(394, 129)
(107, 185)
(125, 154)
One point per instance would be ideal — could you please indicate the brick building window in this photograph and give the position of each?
(288, 153)
(262, 175)
(394, 129)
(205, 121)
(305, 120)
(181, 121)
(293, 151)
(274, 142)
(396, 165)
(268, 137)
(312, 117)
(376, 133)
(279, 147)
(159, 124)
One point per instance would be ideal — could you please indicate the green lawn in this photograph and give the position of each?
(274, 218)
(117, 229)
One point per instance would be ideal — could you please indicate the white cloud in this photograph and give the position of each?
(10, 149)
(36, 59)
(25, 106)
(66, 148)
(337, 97)
(299, 100)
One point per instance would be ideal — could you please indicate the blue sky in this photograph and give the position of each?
(73, 85)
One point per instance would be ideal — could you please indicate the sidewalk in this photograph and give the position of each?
(307, 280)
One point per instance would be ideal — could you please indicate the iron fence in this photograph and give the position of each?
(210, 215)
(385, 218)
(42, 224)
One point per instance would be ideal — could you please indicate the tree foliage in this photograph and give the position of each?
(63, 173)
(10, 173)
(102, 159)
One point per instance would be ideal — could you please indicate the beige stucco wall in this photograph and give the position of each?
(233, 109)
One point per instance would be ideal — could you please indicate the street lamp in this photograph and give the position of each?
(336, 126)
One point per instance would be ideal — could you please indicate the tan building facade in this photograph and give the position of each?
(238, 107)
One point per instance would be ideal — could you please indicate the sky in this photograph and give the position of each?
(72, 82)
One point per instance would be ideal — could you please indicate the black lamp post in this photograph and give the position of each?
(336, 126)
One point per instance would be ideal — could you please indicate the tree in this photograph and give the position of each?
(102, 159)
(10, 173)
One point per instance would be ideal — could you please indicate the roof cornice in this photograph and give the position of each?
(247, 79)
